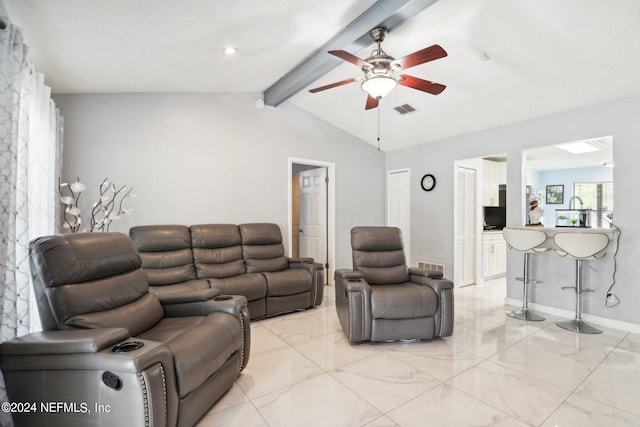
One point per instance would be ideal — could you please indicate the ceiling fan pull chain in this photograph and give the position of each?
(378, 127)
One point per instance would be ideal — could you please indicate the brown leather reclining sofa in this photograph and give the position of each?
(246, 259)
(113, 354)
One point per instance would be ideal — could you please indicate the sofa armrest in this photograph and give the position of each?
(317, 277)
(80, 366)
(424, 272)
(82, 349)
(353, 304)
(437, 284)
(347, 274)
(187, 295)
(230, 304)
(64, 342)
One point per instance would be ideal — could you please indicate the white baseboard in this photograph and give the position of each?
(570, 314)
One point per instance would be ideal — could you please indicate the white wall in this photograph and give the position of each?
(432, 213)
(214, 158)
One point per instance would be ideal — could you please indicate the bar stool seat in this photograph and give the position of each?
(580, 246)
(529, 242)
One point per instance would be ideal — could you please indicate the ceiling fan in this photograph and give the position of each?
(379, 69)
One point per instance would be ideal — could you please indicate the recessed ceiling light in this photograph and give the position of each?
(230, 50)
(578, 147)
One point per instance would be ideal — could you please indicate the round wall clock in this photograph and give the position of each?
(428, 182)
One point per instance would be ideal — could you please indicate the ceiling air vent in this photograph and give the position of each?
(404, 109)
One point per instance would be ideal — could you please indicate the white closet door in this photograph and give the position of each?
(399, 205)
(466, 226)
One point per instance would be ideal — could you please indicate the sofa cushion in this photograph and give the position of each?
(260, 233)
(257, 265)
(378, 252)
(166, 253)
(384, 275)
(165, 268)
(91, 280)
(262, 248)
(402, 301)
(217, 250)
(287, 282)
(218, 263)
(197, 355)
(137, 316)
(252, 285)
(188, 285)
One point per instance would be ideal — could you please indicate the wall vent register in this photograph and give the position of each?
(432, 266)
(404, 109)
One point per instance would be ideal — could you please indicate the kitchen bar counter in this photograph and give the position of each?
(550, 231)
(553, 230)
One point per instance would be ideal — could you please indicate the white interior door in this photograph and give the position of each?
(466, 226)
(399, 205)
(313, 214)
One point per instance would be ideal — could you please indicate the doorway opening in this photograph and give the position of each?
(480, 210)
(311, 210)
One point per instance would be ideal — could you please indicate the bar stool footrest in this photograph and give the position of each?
(531, 281)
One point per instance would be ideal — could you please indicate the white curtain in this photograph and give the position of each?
(30, 158)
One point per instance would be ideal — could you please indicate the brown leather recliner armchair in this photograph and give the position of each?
(383, 300)
(111, 352)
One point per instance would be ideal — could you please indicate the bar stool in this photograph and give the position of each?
(527, 241)
(580, 246)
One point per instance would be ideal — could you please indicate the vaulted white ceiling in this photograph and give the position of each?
(545, 56)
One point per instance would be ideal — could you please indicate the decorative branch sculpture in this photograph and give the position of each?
(103, 211)
(69, 196)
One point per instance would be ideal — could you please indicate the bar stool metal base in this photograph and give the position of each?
(576, 325)
(524, 314)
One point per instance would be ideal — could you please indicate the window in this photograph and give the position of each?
(597, 196)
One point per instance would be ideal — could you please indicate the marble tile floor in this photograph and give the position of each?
(493, 371)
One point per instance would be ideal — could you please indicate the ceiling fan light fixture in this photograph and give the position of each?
(379, 86)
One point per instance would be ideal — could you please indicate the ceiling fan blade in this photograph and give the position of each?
(332, 85)
(342, 54)
(420, 57)
(423, 85)
(371, 103)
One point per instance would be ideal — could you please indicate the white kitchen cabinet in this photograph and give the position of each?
(493, 174)
(494, 255)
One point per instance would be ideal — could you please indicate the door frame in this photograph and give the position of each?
(331, 208)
